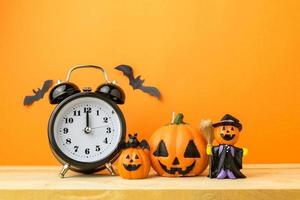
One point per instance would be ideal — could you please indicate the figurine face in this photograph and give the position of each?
(132, 161)
(226, 134)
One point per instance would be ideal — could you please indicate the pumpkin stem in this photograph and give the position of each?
(179, 119)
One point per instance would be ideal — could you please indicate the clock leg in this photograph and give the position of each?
(110, 168)
(64, 170)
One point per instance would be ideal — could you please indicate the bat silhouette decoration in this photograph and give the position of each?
(138, 83)
(39, 94)
(132, 140)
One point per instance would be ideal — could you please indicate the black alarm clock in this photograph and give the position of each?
(86, 129)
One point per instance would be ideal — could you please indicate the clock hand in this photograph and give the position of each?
(96, 127)
(99, 127)
(87, 119)
(87, 128)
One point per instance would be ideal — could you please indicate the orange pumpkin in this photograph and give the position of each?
(178, 149)
(226, 134)
(133, 162)
(227, 131)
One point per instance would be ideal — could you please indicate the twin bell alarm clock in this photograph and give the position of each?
(86, 129)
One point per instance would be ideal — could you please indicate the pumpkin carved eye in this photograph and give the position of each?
(191, 150)
(136, 157)
(127, 157)
(161, 150)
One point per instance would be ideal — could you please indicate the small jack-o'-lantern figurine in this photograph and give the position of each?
(178, 149)
(226, 159)
(134, 161)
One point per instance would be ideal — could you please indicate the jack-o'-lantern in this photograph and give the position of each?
(134, 161)
(227, 131)
(178, 149)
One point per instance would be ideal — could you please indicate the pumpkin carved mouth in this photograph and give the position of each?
(131, 167)
(227, 137)
(173, 170)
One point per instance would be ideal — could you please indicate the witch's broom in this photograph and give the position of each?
(207, 131)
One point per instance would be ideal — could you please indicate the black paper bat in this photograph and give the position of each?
(137, 83)
(144, 145)
(39, 94)
(132, 140)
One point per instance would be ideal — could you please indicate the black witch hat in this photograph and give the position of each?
(229, 120)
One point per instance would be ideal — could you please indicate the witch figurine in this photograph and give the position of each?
(226, 161)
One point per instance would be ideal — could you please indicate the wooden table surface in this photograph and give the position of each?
(270, 181)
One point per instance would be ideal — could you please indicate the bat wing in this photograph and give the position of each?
(144, 145)
(127, 71)
(150, 90)
(28, 100)
(47, 84)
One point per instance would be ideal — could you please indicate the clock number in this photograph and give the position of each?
(76, 112)
(68, 141)
(87, 151)
(87, 109)
(108, 130)
(98, 112)
(69, 120)
(105, 119)
(65, 130)
(97, 147)
(105, 140)
(76, 148)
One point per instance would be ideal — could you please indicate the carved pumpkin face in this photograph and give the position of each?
(226, 134)
(178, 150)
(133, 163)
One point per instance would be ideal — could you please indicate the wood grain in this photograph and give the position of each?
(280, 181)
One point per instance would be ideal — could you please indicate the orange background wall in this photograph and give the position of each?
(208, 58)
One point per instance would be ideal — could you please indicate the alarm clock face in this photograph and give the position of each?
(86, 128)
